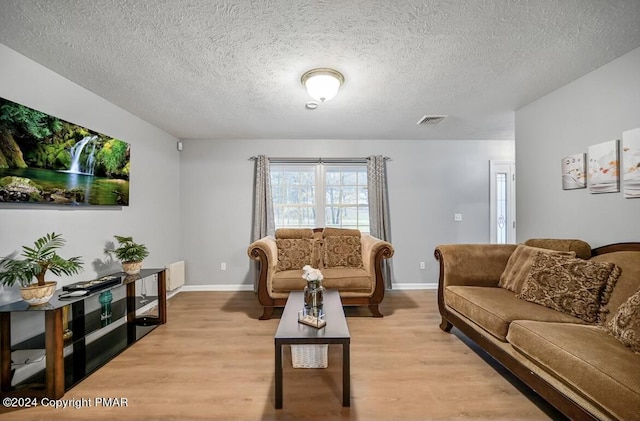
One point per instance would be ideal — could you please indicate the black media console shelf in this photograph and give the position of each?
(83, 356)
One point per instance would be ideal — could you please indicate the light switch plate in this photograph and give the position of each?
(457, 217)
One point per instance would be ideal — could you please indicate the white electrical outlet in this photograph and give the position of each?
(422, 266)
(457, 217)
(223, 266)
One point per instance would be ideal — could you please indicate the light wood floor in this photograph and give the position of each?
(213, 360)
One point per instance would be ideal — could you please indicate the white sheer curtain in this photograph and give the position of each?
(379, 207)
(263, 221)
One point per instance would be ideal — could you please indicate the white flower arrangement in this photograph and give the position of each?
(311, 274)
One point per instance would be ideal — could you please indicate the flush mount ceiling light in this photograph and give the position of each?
(322, 84)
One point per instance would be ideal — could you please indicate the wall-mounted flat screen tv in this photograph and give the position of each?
(46, 160)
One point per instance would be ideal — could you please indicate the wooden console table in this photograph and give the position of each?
(63, 372)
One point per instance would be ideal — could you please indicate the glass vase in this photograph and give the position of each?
(313, 298)
(105, 300)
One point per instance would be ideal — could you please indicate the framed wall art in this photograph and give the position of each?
(574, 172)
(46, 160)
(604, 167)
(631, 163)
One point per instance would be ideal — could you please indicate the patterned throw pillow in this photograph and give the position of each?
(570, 285)
(519, 266)
(293, 253)
(342, 252)
(625, 325)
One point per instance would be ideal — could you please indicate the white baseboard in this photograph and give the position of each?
(193, 288)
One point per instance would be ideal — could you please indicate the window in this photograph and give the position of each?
(320, 195)
(294, 190)
(502, 209)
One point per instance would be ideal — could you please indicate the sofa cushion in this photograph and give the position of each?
(344, 251)
(519, 266)
(294, 253)
(340, 232)
(625, 325)
(346, 280)
(570, 285)
(494, 309)
(581, 248)
(294, 233)
(586, 358)
(288, 280)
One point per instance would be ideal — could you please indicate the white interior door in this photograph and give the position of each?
(502, 199)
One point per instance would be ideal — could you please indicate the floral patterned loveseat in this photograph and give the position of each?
(350, 261)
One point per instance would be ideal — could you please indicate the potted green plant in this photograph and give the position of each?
(37, 260)
(130, 254)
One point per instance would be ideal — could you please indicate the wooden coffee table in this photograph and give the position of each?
(290, 332)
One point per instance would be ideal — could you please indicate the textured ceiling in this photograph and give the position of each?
(231, 69)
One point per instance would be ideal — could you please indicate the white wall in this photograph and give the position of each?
(428, 182)
(595, 108)
(153, 215)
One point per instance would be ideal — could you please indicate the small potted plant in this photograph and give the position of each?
(37, 260)
(129, 253)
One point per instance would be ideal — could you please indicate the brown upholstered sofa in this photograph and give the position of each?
(575, 363)
(351, 262)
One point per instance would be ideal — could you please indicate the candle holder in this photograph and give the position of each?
(311, 320)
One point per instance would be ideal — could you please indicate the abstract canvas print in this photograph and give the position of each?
(631, 163)
(46, 160)
(574, 172)
(604, 168)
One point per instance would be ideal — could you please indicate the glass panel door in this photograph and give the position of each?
(502, 196)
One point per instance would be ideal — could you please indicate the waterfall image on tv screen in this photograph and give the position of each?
(44, 159)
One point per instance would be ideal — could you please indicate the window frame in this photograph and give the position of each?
(320, 204)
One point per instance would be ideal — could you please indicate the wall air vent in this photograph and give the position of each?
(431, 119)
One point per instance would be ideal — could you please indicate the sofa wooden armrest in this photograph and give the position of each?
(374, 251)
(469, 265)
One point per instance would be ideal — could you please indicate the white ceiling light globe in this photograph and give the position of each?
(322, 84)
